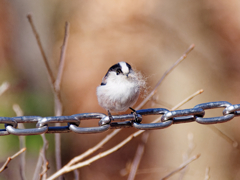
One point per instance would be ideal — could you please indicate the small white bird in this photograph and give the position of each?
(120, 88)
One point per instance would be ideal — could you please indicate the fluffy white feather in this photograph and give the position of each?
(120, 91)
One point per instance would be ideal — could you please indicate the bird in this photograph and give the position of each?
(119, 89)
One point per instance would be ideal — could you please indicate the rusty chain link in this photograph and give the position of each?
(119, 121)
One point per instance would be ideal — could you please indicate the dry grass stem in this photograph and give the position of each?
(10, 158)
(42, 161)
(4, 87)
(187, 154)
(70, 167)
(18, 111)
(62, 58)
(188, 98)
(181, 166)
(164, 76)
(43, 175)
(55, 83)
(138, 156)
(95, 148)
(141, 148)
(57, 98)
(22, 143)
(207, 176)
(50, 73)
(43, 155)
(224, 136)
(90, 160)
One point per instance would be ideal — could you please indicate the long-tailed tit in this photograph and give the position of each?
(120, 88)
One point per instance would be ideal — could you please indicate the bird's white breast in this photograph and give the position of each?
(118, 94)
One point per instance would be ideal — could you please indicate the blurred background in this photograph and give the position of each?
(149, 35)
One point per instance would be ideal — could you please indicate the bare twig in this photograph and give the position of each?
(187, 154)
(181, 166)
(55, 83)
(188, 98)
(37, 168)
(4, 87)
(141, 148)
(10, 158)
(62, 58)
(224, 136)
(100, 155)
(138, 156)
(70, 167)
(50, 73)
(207, 176)
(96, 147)
(42, 175)
(108, 137)
(57, 97)
(165, 74)
(76, 174)
(44, 159)
(22, 143)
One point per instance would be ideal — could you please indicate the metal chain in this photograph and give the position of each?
(120, 121)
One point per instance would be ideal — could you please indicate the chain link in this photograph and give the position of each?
(195, 114)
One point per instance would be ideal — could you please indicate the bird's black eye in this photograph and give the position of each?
(118, 71)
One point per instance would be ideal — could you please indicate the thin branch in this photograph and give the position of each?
(57, 98)
(141, 147)
(100, 155)
(107, 138)
(138, 156)
(50, 73)
(37, 168)
(42, 175)
(207, 172)
(10, 158)
(22, 143)
(187, 154)
(42, 161)
(181, 166)
(134, 171)
(62, 58)
(164, 75)
(95, 148)
(4, 87)
(55, 84)
(69, 167)
(224, 136)
(188, 98)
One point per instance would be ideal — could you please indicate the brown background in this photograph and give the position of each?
(151, 36)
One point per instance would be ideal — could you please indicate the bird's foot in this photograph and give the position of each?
(134, 113)
(110, 116)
